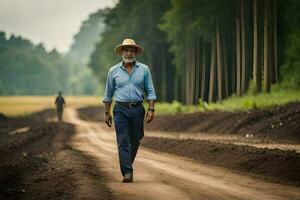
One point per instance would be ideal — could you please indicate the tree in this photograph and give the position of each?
(219, 63)
(211, 97)
(256, 67)
(29, 69)
(238, 53)
(267, 82)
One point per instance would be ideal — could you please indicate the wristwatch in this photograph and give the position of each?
(151, 109)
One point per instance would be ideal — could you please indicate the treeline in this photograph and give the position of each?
(207, 49)
(28, 69)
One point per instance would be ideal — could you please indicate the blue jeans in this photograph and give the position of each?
(129, 124)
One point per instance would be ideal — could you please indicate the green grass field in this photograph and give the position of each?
(233, 103)
(261, 100)
(23, 105)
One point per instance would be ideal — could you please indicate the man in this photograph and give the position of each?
(127, 81)
(60, 103)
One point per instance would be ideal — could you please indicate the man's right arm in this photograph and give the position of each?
(107, 107)
(109, 88)
(108, 117)
(109, 91)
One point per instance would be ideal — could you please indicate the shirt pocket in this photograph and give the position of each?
(119, 80)
(138, 80)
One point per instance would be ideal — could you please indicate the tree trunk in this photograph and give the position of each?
(192, 73)
(198, 69)
(164, 78)
(266, 49)
(260, 44)
(187, 74)
(170, 76)
(232, 63)
(189, 61)
(226, 70)
(243, 89)
(271, 42)
(238, 53)
(212, 71)
(255, 42)
(203, 67)
(219, 63)
(275, 41)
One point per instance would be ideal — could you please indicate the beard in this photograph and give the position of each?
(128, 59)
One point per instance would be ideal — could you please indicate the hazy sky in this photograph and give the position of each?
(52, 22)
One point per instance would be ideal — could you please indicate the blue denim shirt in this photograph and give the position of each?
(127, 87)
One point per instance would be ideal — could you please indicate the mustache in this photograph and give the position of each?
(128, 59)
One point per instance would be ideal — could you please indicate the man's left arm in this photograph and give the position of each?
(150, 111)
(151, 96)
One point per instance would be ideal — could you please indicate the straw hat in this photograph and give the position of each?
(129, 43)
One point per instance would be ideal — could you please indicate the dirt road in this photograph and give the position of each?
(163, 176)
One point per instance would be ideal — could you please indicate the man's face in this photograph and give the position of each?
(128, 54)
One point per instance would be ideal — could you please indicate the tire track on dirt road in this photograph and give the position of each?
(164, 176)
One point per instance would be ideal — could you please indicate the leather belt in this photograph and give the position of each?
(129, 104)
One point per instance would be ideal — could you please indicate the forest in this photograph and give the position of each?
(197, 50)
(207, 50)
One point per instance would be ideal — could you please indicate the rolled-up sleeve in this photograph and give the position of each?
(109, 88)
(149, 87)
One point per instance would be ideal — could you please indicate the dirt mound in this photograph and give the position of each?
(23, 154)
(36, 161)
(3, 117)
(13, 123)
(271, 164)
(20, 131)
(279, 122)
(91, 113)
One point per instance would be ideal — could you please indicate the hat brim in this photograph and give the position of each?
(139, 49)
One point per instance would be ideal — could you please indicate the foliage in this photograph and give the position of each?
(85, 40)
(290, 72)
(29, 69)
(174, 108)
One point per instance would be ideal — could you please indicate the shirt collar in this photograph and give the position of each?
(136, 64)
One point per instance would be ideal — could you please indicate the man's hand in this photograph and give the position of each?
(108, 119)
(149, 116)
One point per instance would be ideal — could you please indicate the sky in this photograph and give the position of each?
(51, 22)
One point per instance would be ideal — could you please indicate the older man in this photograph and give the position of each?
(128, 81)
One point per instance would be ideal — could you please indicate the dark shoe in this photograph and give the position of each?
(128, 178)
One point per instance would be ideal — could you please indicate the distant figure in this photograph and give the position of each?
(60, 103)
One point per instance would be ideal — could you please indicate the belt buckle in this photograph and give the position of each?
(131, 105)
